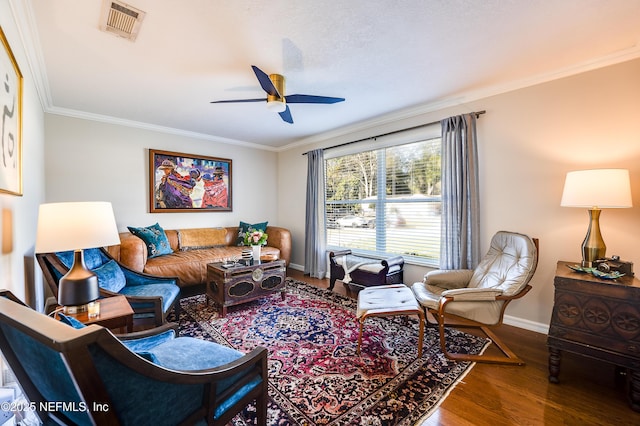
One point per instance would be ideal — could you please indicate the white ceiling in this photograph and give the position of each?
(383, 56)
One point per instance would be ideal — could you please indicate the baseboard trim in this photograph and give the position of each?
(296, 267)
(538, 327)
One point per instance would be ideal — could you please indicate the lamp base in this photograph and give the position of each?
(73, 310)
(593, 246)
(79, 286)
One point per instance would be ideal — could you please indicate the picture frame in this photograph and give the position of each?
(11, 130)
(183, 183)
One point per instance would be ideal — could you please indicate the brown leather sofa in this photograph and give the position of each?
(193, 249)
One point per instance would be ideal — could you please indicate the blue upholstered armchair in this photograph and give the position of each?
(150, 296)
(87, 375)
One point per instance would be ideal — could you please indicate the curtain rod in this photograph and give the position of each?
(477, 114)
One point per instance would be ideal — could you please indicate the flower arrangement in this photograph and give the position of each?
(254, 237)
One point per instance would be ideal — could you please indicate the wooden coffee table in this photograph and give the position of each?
(115, 313)
(228, 286)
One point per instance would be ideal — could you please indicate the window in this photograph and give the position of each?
(386, 201)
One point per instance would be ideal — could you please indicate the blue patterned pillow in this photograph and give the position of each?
(110, 276)
(244, 227)
(155, 239)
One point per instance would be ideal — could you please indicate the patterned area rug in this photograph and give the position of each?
(315, 375)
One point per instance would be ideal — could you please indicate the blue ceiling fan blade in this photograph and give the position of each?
(286, 115)
(311, 99)
(265, 82)
(238, 100)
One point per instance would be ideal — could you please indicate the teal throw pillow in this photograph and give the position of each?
(155, 239)
(244, 227)
(110, 276)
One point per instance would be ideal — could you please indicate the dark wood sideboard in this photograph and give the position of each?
(599, 319)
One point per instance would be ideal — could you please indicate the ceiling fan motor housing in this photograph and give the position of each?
(278, 82)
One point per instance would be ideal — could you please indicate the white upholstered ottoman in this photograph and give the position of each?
(389, 300)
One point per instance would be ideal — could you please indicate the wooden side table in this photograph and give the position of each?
(599, 319)
(115, 313)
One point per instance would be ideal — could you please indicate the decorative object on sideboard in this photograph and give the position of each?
(596, 189)
(76, 226)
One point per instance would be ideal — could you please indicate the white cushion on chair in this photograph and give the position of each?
(508, 265)
(487, 312)
(386, 299)
(374, 268)
(447, 278)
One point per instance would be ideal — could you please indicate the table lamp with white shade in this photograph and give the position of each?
(76, 226)
(596, 189)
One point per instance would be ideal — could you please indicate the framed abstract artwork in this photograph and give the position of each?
(11, 110)
(180, 183)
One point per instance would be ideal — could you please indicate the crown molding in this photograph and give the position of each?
(153, 127)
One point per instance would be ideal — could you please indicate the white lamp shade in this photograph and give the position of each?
(601, 188)
(75, 225)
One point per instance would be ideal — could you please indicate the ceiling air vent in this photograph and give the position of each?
(121, 19)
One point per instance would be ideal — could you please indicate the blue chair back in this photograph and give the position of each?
(93, 258)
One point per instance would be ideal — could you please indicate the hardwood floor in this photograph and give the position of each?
(589, 393)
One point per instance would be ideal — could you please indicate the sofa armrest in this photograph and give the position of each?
(133, 252)
(280, 238)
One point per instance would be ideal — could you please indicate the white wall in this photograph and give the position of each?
(89, 160)
(528, 140)
(17, 267)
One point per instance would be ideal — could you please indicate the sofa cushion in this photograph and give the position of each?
(110, 276)
(190, 267)
(201, 238)
(154, 238)
(244, 227)
(168, 293)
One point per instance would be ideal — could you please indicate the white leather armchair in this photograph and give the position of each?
(479, 297)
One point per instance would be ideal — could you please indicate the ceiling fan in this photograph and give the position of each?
(276, 100)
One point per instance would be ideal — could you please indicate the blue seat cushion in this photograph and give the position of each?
(188, 353)
(144, 344)
(110, 276)
(168, 292)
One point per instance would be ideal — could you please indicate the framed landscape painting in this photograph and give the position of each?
(11, 108)
(182, 183)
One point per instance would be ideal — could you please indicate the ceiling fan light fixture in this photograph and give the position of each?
(276, 106)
